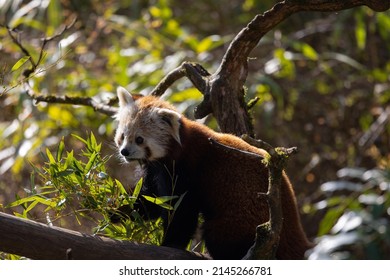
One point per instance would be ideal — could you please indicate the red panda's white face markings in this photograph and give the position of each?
(146, 127)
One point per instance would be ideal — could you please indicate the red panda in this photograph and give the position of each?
(179, 159)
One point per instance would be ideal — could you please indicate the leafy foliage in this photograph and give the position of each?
(83, 189)
(356, 224)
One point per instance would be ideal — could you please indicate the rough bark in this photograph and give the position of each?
(38, 241)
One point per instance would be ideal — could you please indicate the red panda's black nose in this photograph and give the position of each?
(125, 152)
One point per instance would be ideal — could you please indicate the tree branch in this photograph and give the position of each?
(82, 101)
(27, 74)
(223, 91)
(45, 41)
(267, 234)
(38, 241)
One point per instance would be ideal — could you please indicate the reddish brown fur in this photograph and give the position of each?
(224, 187)
(229, 187)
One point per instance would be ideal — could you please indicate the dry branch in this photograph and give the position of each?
(38, 241)
(83, 101)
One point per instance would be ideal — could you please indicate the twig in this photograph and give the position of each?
(375, 129)
(168, 80)
(55, 36)
(193, 71)
(46, 40)
(84, 101)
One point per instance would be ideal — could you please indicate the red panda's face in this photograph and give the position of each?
(145, 129)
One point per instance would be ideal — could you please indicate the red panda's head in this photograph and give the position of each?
(147, 126)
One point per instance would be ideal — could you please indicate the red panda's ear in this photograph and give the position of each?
(125, 97)
(172, 118)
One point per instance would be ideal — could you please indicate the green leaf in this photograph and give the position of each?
(309, 52)
(64, 173)
(60, 150)
(55, 16)
(50, 156)
(81, 139)
(330, 220)
(122, 190)
(209, 43)
(177, 204)
(39, 199)
(69, 159)
(77, 165)
(91, 161)
(20, 63)
(92, 142)
(138, 188)
(30, 207)
(32, 181)
(161, 201)
(360, 31)
(21, 201)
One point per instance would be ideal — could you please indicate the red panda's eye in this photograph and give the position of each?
(139, 140)
(122, 137)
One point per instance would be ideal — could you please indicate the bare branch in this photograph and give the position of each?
(46, 40)
(55, 36)
(21, 47)
(168, 80)
(193, 71)
(83, 101)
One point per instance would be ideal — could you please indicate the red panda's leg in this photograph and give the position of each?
(180, 228)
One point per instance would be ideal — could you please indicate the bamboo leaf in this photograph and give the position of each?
(92, 144)
(309, 52)
(209, 43)
(20, 63)
(50, 156)
(21, 201)
(177, 204)
(161, 201)
(60, 150)
(65, 173)
(30, 207)
(79, 138)
(91, 161)
(330, 220)
(55, 16)
(138, 188)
